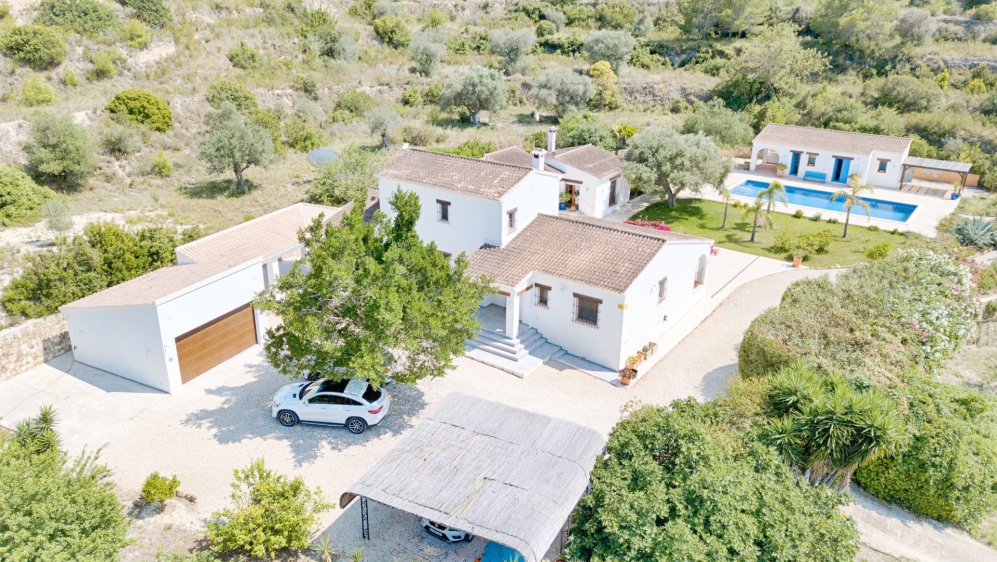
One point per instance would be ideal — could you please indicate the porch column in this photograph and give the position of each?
(751, 160)
(512, 315)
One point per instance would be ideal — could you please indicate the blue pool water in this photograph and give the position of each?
(818, 199)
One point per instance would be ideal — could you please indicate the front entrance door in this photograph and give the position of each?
(794, 164)
(841, 167)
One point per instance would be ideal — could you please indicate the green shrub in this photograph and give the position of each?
(154, 13)
(306, 85)
(86, 17)
(21, 199)
(143, 107)
(579, 15)
(872, 228)
(302, 136)
(798, 214)
(136, 35)
(354, 103)
(431, 94)
(346, 179)
(545, 28)
(4, 10)
(59, 152)
(120, 141)
(158, 489)
(878, 251)
(161, 165)
(986, 278)
(906, 311)
(56, 215)
(271, 513)
(232, 92)
(270, 120)
(393, 31)
(411, 97)
(362, 9)
(986, 12)
(990, 310)
(244, 57)
(105, 64)
(34, 46)
(35, 91)
(948, 470)
(69, 78)
(472, 148)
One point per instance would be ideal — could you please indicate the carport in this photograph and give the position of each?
(502, 473)
(943, 171)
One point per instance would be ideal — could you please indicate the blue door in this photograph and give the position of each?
(845, 165)
(794, 164)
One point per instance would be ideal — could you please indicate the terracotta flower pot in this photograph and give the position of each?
(797, 261)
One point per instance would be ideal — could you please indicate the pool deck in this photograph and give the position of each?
(930, 209)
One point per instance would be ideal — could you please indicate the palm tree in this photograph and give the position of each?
(851, 197)
(758, 216)
(622, 135)
(774, 191)
(725, 193)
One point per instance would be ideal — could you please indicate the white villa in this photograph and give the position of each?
(827, 155)
(591, 177)
(596, 289)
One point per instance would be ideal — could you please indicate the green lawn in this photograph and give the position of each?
(703, 218)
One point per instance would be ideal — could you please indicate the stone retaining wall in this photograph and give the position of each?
(30, 344)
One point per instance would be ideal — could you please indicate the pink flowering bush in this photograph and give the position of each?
(650, 224)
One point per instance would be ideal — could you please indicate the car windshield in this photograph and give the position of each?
(371, 395)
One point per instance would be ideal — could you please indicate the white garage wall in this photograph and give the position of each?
(124, 340)
(206, 302)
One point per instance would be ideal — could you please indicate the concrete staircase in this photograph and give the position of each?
(519, 356)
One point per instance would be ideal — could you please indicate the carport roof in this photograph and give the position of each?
(943, 165)
(267, 236)
(156, 285)
(509, 475)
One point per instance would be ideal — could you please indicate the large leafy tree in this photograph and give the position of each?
(346, 178)
(775, 62)
(59, 152)
(367, 288)
(479, 89)
(562, 90)
(862, 26)
(664, 162)
(54, 508)
(676, 487)
(233, 143)
(726, 127)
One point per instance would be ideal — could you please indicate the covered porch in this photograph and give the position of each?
(936, 178)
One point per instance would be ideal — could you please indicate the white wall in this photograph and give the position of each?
(202, 305)
(644, 317)
(124, 340)
(474, 221)
(594, 198)
(864, 165)
(536, 194)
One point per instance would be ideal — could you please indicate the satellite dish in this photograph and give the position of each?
(321, 156)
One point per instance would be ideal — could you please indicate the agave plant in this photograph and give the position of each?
(37, 434)
(976, 232)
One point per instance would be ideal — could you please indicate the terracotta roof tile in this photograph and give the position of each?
(515, 156)
(158, 284)
(593, 251)
(262, 237)
(829, 139)
(480, 178)
(590, 159)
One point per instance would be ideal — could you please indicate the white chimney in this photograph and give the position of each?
(552, 139)
(538, 158)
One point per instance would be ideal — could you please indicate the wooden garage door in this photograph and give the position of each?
(223, 338)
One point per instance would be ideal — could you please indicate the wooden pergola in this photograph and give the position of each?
(961, 168)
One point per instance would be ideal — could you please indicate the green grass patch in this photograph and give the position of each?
(703, 218)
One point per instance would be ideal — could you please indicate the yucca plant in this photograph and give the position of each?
(976, 232)
(37, 434)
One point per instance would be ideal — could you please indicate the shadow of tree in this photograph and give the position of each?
(244, 414)
(213, 189)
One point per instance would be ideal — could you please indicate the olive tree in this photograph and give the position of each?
(427, 49)
(382, 121)
(776, 60)
(59, 152)
(726, 127)
(345, 179)
(613, 47)
(916, 25)
(476, 90)
(665, 162)
(861, 26)
(512, 45)
(233, 143)
(562, 90)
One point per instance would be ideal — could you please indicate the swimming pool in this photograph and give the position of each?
(818, 199)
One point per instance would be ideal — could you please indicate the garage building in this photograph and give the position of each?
(168, 326)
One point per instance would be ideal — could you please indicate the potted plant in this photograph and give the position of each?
(632, 361)
(798, 257)
(747, 164)
(641, 356)
(780, 169)
(627, 375)
(565, 199)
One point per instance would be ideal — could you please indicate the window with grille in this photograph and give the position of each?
(811, 159)
(662, 289)
(882, 166)
(511, 219)
(612, 192)
(442, 211)
(542, 295)
(586, 310)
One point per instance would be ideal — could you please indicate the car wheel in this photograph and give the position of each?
(287, 418)
(356, 425)
(469, 538)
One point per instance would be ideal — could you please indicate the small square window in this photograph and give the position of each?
(662, 289)
(882, 166)
(442, 211)
(811, 159)
(587, 310)
(511, 219)
(543, 295)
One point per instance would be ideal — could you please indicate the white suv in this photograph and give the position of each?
(448, 534)
(351, 402)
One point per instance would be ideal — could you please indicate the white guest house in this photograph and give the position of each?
(591, 178)
(827, 155)
(597, 289)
